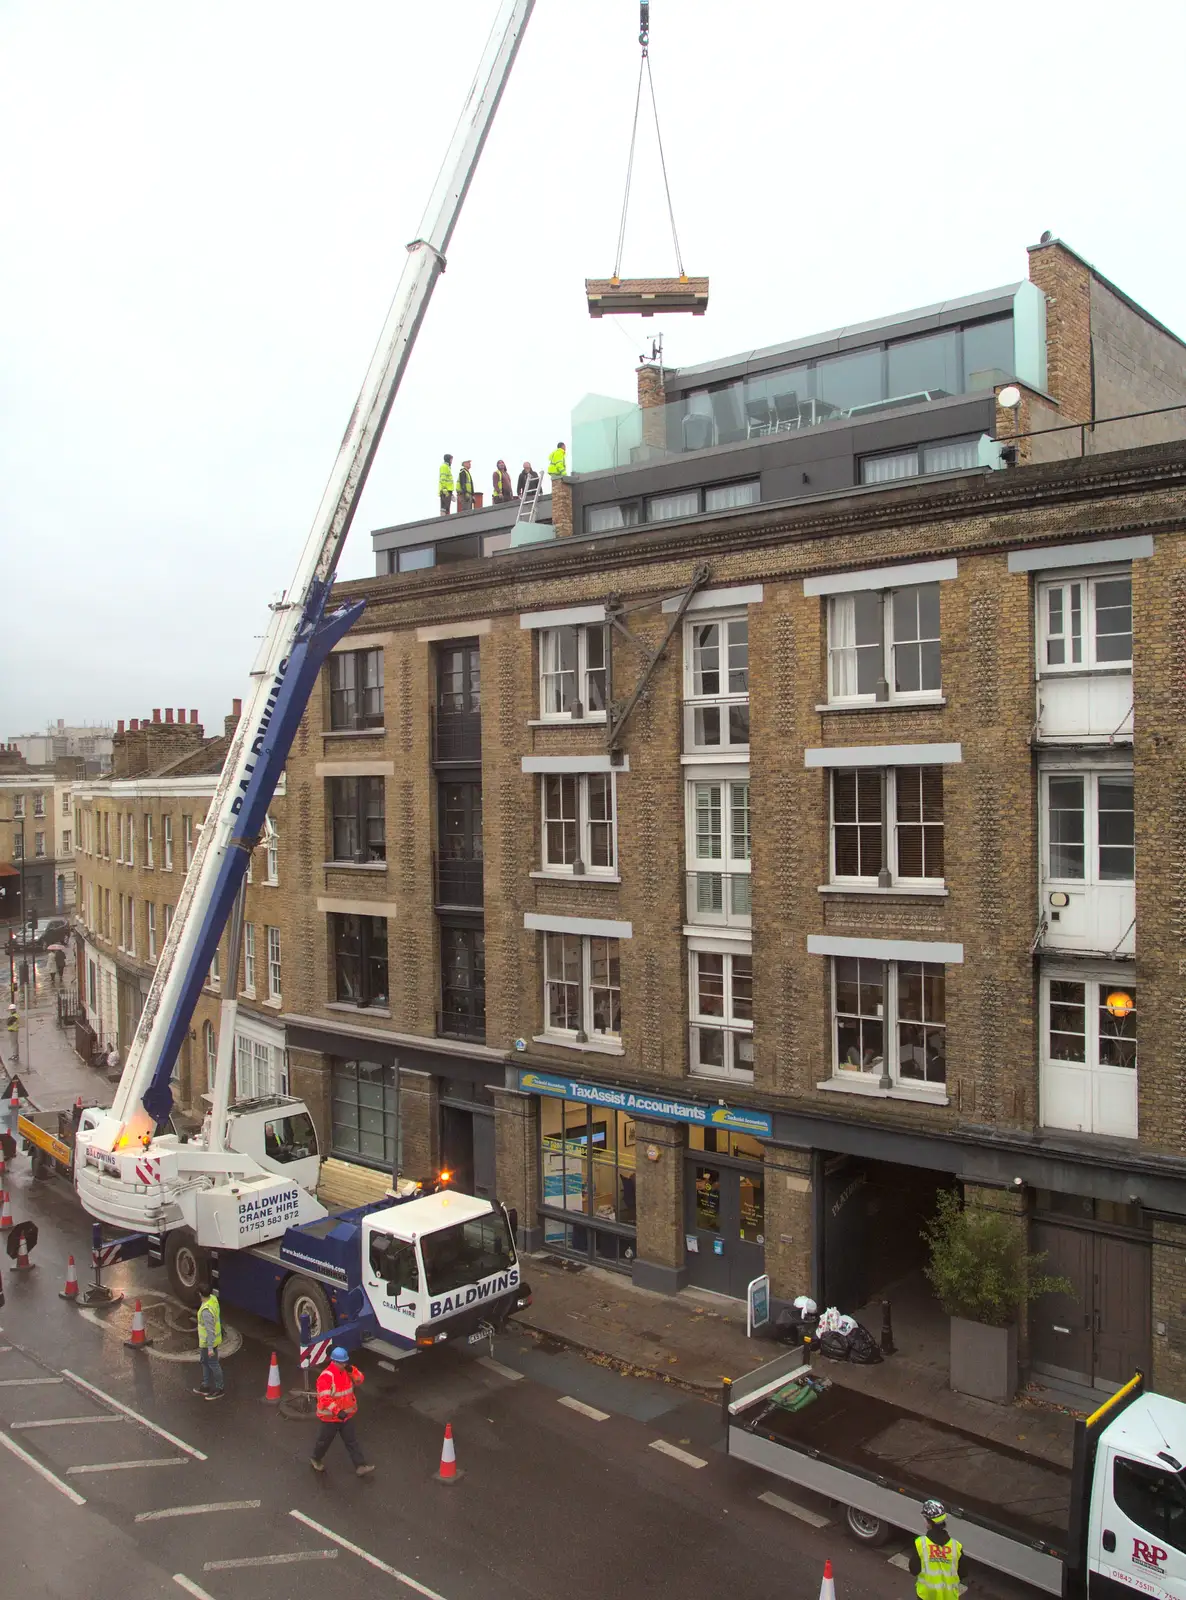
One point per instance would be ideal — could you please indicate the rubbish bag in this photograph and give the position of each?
(834, 1345)
(862, 1347)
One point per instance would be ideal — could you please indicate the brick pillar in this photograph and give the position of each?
(419, 1125)
(562, 508)
(652, 396)
(789, 1222)
(1066, 283)
(660, 1261)
(1169, 1308)
(308, 1080)
(516, 1154)
(1014, 1204)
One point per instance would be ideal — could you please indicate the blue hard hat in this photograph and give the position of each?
(339, 1353)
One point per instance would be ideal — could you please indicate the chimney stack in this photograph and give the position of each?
(237, 707)
(156, 715)
(193, 716)
(135, 724)
(119, 727)
(168, 713)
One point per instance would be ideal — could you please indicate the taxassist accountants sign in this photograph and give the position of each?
(659, 1107)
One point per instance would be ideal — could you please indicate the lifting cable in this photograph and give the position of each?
(644, 39)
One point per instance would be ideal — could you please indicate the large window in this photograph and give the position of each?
(167, 829)
(211, 1042)
(358, 947)
(273, 937)
(889, 1022)
(1090, 827)
(579, 822)
(718, 839)
(466, 1253)
(587, 1160)
(609, 518)
(582, 987)
(721, 990)
(272, 838)
(884, 645)
(887, 826)
(572, 672)
(1085, 624)
(716, 675)
(463, 983)
(355, 690)
(363, 1119)
(1089, 1056)
(258, 1069)
(148, 840)
(358, 827)
(951, 455)
(459, 844)
(249, 959)
(150, 908)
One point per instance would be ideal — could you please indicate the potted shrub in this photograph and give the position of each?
(984, 1278)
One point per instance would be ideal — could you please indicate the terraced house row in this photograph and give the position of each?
(788, 829)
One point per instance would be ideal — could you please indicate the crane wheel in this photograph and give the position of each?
(186, 1265)
(302, 1297)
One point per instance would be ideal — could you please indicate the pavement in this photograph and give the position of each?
(49, 1069)
(694, 1340)
(117, 1480)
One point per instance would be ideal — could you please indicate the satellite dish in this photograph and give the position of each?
(1009, 397)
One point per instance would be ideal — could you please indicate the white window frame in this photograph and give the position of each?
(131, 942)
(38, 844)
(1097, 985)
(66, 841)
(167, 842)
(737, 1032)
(579, 673)
(249, 959)
(211, 1042)
(1092, 876)
(39, 805)
(884, 1074)
(131, 849)
(889, 824)
(886, 646)
(187, 834)
(274, 970)
(123, 828)
(18, 807)
(702, 893)
(584, 824)
(65, 802)
(585, 1031)
(273, 843)
(149, 860)
(696, 702)
(152, 945)
(215, 974)
(1089, 579)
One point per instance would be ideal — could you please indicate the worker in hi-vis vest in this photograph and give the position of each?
(209, 1341)
(446, 484)
(337, 1406)
(502, 482)
(935, 1559)
(465, 487)
(558, 462)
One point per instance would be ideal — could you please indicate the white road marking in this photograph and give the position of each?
(5, 1349)
(31, 1461)
(25, 1383)
(496, 1366)
(676, 1454)
(900, 1560)
(585, 1411)
(62, 1422)
(365, 1555)
(125, 1466)
(118, 1405)
(270, 1561)
(198, 1511)
(190, 1587)
(812, 1518)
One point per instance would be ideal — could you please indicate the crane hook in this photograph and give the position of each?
(644, 24)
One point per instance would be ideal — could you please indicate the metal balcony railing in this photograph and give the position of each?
(457, 737)
(719, 899)
(459, 881)
(469, 1025)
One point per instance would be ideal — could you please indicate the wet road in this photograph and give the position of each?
(116, 1479)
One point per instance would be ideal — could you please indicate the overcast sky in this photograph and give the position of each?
(204, 214)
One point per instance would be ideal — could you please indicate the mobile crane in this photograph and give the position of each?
(403, 1273)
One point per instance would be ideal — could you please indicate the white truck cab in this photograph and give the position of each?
(1137, 1535)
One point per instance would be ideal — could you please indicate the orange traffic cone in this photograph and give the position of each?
(449, 1470)
(273, 1391)
(827, 1588)
(70, 1292)
(5, 1211)
(23, 1264)
(139, 1339)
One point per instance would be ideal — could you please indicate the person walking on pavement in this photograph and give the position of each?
(558, 463)
(446, 485)
(935, 1559)
(209, 1340)
(59, 963)
(528, 478)
(465, 487)
(337, 1407)
(502, 482)
(113, 1058)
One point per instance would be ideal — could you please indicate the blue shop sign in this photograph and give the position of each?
(660, 1108)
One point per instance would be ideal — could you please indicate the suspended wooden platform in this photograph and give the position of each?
(646, 297)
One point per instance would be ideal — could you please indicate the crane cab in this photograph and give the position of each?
(277, 1132)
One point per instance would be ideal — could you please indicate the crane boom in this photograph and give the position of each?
(299, 636)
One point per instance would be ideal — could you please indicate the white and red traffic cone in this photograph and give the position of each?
(139, 1339)
(70, 1292)
(15, 1103)
(449, 1471)
(5, 1211)
(272, 1394)
(23, 1264)
(827, 1588)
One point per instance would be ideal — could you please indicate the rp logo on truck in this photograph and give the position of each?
(1148, 1555)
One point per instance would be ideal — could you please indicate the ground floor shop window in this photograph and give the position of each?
(363, 1123)
(588, 1172)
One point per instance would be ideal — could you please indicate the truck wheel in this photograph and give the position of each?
(184, 1264)
(42, 1165)
(864, 1526)
(302, 1297)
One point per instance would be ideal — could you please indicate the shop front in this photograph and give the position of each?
(669, 1189)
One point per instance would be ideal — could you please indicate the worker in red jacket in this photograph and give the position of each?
(337, 1407)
